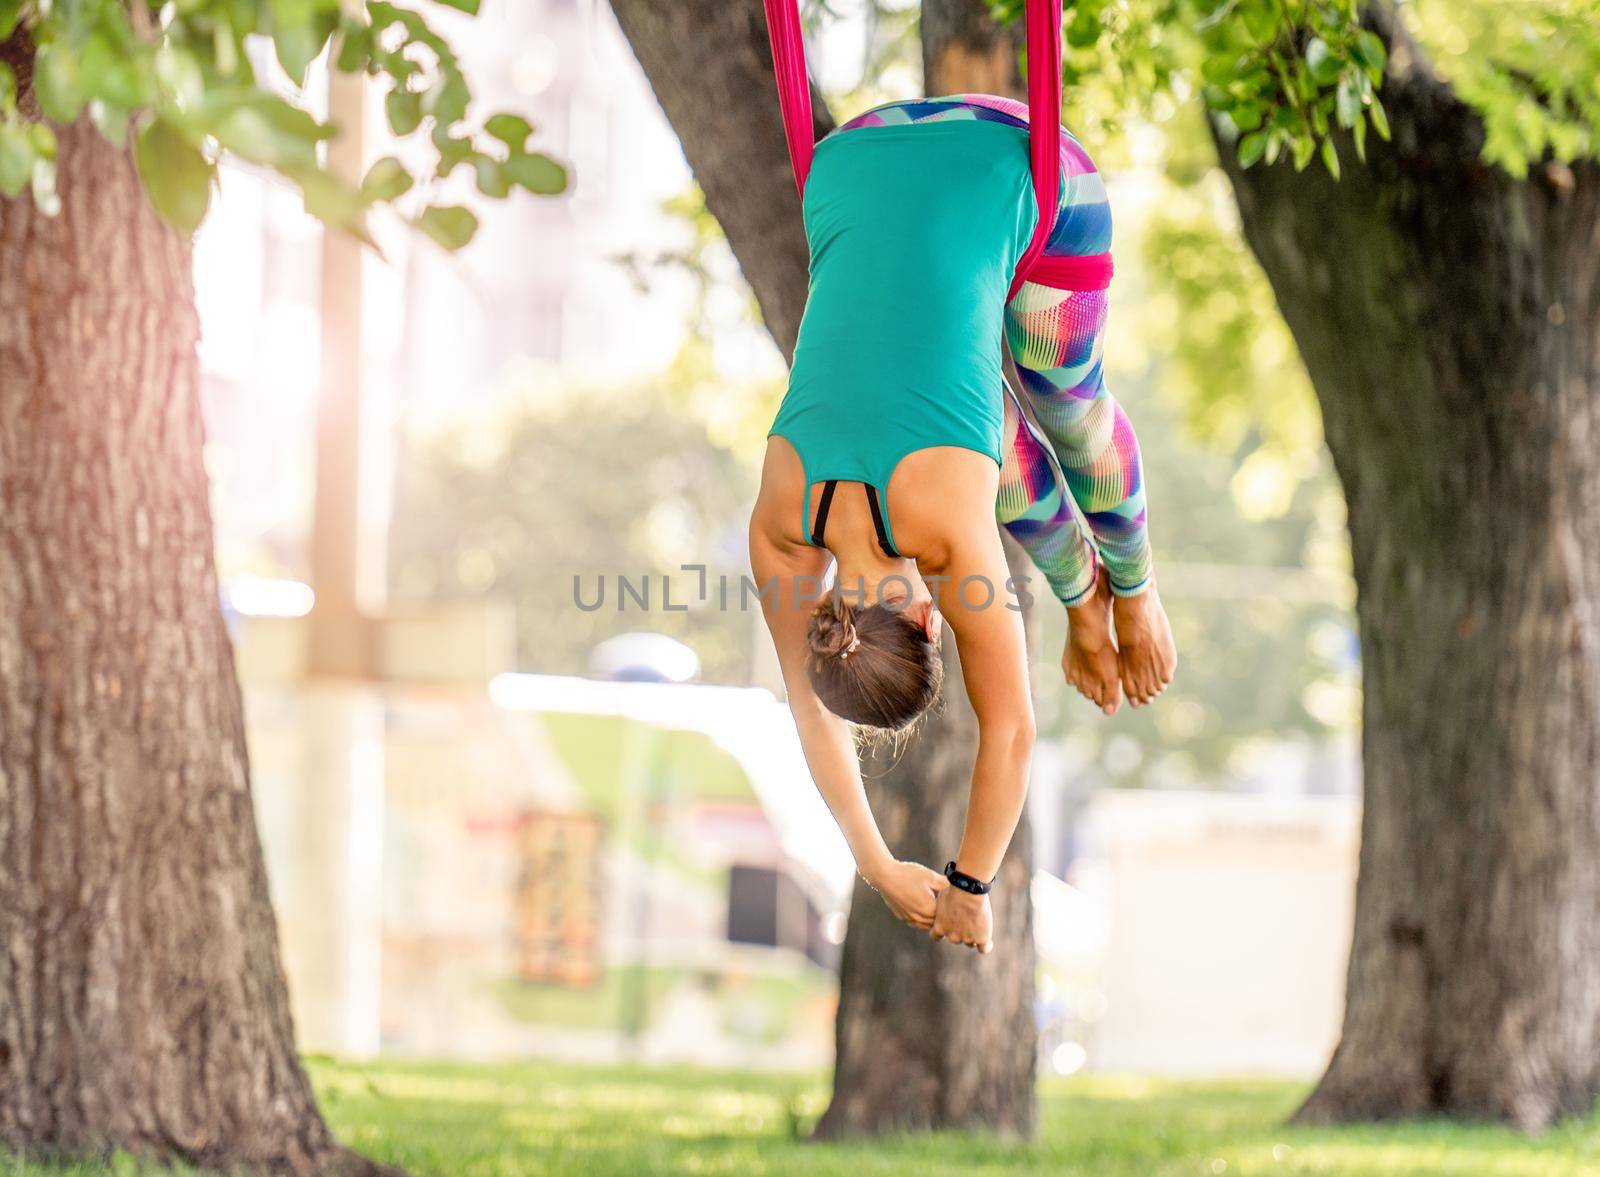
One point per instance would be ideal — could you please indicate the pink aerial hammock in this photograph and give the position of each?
(1044, 129)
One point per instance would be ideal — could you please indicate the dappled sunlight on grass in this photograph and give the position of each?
(514, 1120)
(556, 1119)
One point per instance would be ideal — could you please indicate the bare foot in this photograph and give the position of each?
(1146, 654)
(1090, 659)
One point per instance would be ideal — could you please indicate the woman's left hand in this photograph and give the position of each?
(964, 918)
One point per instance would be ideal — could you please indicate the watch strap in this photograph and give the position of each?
(965, 882)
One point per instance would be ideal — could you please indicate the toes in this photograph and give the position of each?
(1075, 681)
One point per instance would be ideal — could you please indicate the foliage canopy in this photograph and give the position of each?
(192, 79)
(1283, 77)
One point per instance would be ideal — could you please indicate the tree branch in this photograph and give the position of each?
(710, 66)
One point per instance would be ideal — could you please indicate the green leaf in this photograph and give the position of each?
(355, 48)
(386, 180)
(225, 49)
(110, 121)
(404, 108)
(467, 6)
(1252, 147)
(55, 82)
(263, 128)
(1083, 30)
(113, 73)
(8, 88)
(334, 203)
(44, 140)
(447, 102)
(1220, 70)
(179, 74)
(1360, 133)
(492, 177)
(1305, 84)
(1368, 49)
(453, 150)
(297, 47)
(299, 30)
(175, 174)
(1248, 116)
(450, 225)
(1346, 103)
(1380, 119)
(16, 159)
(537, 173)
(1320, 60)
(1260, 20)
(1330, 158)
(10, 10)
(511, 129)
(1304, 148)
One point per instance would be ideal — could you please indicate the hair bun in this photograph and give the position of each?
(833, 634)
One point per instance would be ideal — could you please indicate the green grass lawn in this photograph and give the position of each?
(537, 1118)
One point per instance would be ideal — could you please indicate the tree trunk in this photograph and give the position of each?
(1449, 316)
(142, 1006)
(965, 52)
(929, 1035)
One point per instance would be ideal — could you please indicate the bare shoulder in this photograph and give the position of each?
(780, 557)
(779, 501)
(938, 498)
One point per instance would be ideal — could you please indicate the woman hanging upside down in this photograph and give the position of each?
(899, 443)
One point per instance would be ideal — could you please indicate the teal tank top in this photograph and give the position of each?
(915, 231)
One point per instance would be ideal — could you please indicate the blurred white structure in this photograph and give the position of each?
(1229, 922)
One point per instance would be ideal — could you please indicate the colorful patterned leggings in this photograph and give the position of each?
(1071, 483)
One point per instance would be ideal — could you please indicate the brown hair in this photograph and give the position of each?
(873, 666)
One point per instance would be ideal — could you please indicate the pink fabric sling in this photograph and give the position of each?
(1043, 21)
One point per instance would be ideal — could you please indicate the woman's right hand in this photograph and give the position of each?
(910, 889)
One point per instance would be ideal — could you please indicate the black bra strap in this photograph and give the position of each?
(876, 508)
(822, 512)
(877, 521)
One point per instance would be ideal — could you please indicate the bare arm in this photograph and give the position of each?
(994, 663)
(791, 578)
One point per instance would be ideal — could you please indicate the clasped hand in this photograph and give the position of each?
(926, 900)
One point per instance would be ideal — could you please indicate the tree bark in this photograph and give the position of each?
(928, 1035)
(142, 1005)
(965, 52)
(1449, 316)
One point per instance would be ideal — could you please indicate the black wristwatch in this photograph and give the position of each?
(966, 882)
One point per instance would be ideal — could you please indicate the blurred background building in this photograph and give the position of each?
(507, 827)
